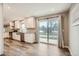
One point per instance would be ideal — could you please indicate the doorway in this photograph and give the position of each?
(48, 30)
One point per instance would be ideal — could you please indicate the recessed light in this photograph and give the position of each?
(8, 7)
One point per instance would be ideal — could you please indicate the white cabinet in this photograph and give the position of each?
(17, 25)
(30, 22)
(11, 25)
(6, 34)
(30, 25)
(29, 37)
(15, 36)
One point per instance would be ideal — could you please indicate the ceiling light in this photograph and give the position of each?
(8, 7)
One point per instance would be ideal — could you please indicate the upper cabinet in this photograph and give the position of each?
(12, 25)
(30, 22)
(17, 24)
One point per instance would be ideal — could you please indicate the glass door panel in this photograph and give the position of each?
(53, 30)
(43, 31)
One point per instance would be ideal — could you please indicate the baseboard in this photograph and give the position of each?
(66, 47)
(2, 55)
(70, 51)
(6, 37)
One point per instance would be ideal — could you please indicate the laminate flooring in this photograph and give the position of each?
(17, 48)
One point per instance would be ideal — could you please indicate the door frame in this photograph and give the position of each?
(37, 21)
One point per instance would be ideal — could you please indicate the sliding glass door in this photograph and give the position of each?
(48, 30)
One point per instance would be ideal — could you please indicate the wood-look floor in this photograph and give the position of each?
(16, 48)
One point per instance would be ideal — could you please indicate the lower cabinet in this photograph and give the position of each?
(6, 35)
(29, 37)
(16, 36)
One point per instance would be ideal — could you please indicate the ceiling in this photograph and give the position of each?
(14, 11)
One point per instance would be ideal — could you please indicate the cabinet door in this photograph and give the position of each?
(11, 25)
(30, 22)
(17, 24)
(6, 35)
(16, 37)
(29, 37)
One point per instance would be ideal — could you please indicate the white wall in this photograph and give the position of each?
(74, 30)
(1, 32)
